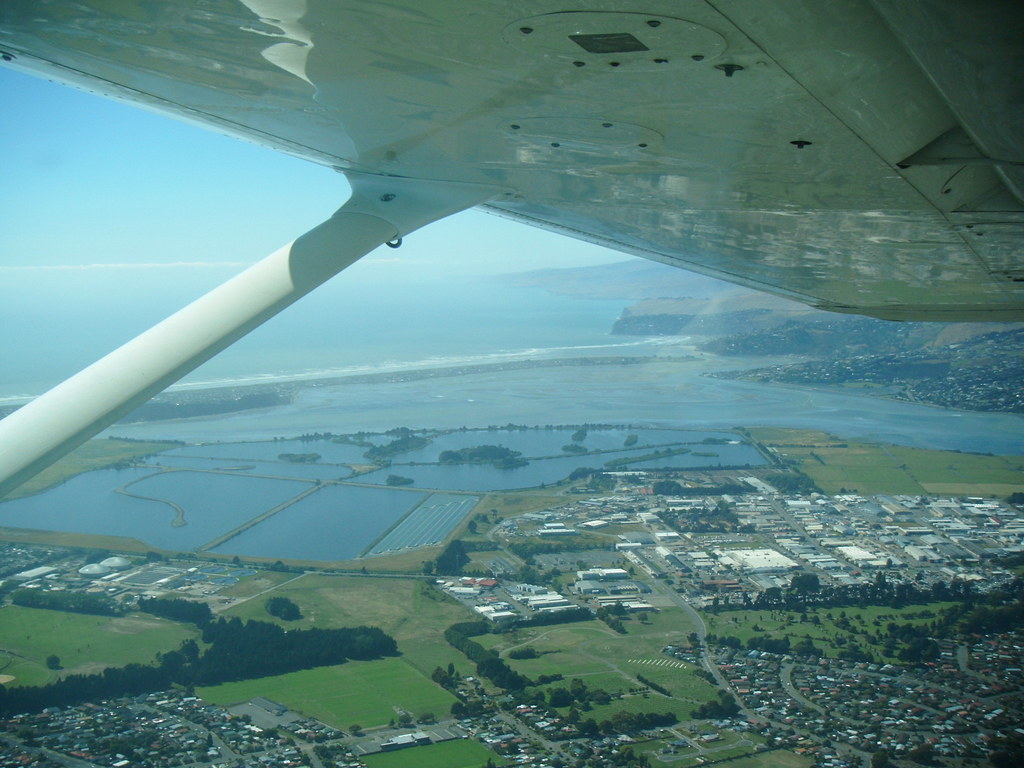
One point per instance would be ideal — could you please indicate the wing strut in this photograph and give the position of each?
(380, 210)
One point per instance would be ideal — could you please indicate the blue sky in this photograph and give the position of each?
(91, 181)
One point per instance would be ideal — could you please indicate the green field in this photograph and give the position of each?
(85, 644)
(608, 661)
(463, 753)
(776, 758)
(835, 463)
(409, 610)
(253, 585)
(563, 650)
(367, 693)
(865, 625)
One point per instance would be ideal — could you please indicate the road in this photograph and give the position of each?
(701, 630)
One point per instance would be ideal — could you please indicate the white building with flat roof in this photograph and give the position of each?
(602, 574)
(757, 560)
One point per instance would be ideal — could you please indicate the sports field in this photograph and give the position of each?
(463, 753)
(85, 644)
(367, 693)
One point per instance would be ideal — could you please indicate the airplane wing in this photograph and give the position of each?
(857, 156)
(860, 156)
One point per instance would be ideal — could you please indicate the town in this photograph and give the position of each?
(829, 629)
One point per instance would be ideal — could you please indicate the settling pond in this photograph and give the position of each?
(304, 499)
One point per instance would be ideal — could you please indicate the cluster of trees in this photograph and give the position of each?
(284, 609)
(470, 708)
(625, 722)
(773, 644)
(1002, 611)
(596, 478)
(499, 456)
(242, 651)
(718, 519)
(580, 699)
(446, 678)
(654, 686)
(1007, 750)
(176, 609)
(311, 437)
(500, 673)
(73, 602)
(555, 617)
(403, 444)
(299, 458)
(526, 652)
(236, 651)
(452, 560)
(725, 707)
(577, 693)
(488, 663)
(73, 689)
(878, 592)
(793, 482)
(657, 453)
(912, 643)
(612, 616)
(527, 549)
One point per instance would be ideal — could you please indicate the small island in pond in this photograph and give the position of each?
(299, 458)
(499, 456)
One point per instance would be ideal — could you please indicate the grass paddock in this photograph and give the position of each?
(368, 693)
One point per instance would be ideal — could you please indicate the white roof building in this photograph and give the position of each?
(757, 560)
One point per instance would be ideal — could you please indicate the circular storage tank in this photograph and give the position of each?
(94, 570)
(116, 563)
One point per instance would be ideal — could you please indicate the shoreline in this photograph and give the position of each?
(219, 399)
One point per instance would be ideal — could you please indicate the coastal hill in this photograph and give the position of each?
(974, 366)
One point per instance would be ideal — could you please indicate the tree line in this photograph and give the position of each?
(236, 651)
(72, 602)
(488, 663)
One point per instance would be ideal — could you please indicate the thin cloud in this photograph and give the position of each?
(126, 266)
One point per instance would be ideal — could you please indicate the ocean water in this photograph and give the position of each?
(54, 324)
(357, 326)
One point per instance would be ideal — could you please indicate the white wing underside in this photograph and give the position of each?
(857, 156)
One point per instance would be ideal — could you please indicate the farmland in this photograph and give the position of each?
(363, 693)
(836, 464)
(404, 608)
(83, 643)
